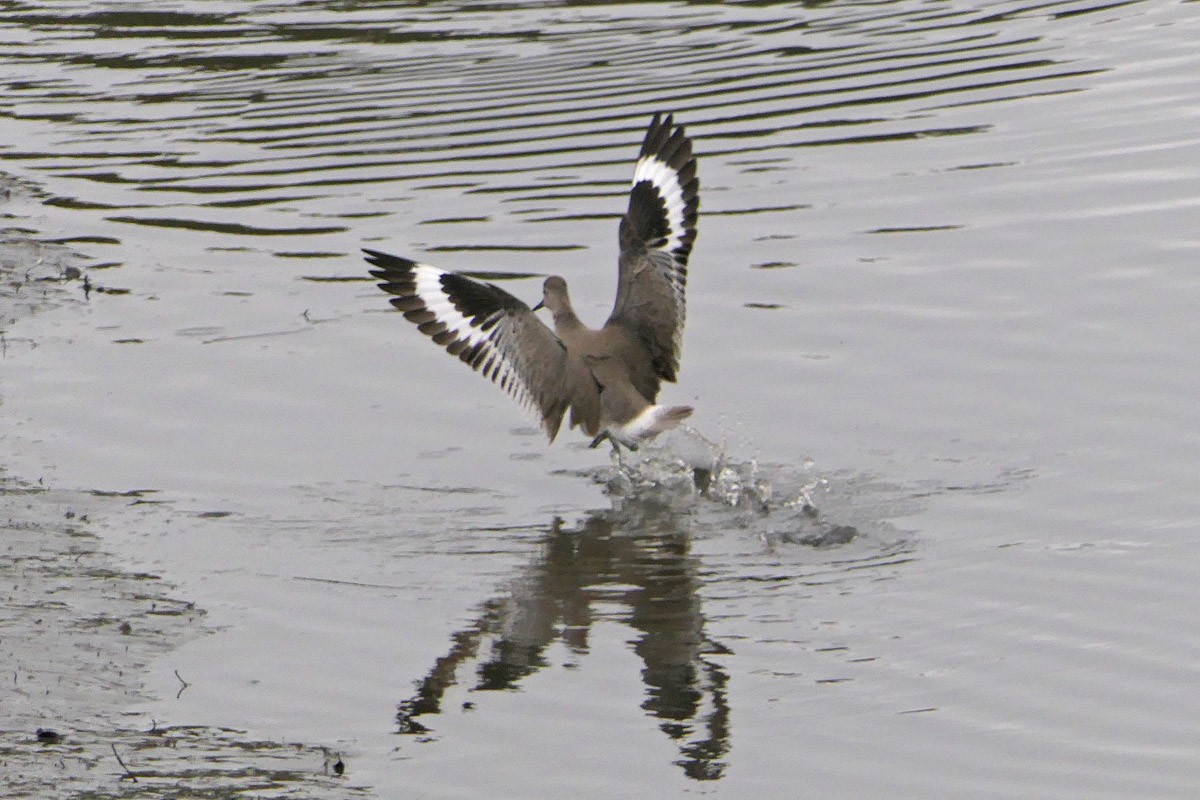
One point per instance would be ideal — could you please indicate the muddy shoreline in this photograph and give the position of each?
(78, 629)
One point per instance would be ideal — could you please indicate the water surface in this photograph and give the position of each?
(941, 334)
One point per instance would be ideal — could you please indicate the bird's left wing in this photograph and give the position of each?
(656, 237)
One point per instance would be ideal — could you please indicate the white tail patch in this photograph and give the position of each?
(652, 421)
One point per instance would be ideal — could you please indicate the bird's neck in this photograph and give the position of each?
(565, 322)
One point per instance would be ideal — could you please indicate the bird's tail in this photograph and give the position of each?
(652, 421)
(667, 418)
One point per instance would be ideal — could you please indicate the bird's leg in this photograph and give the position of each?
(616, 447)
(616, 454)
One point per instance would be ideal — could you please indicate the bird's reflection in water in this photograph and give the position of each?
(636, 559)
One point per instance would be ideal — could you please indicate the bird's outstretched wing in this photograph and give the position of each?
(496, 334)
(656, 237)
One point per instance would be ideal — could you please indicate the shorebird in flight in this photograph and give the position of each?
(607, 377)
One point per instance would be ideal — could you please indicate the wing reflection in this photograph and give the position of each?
(633, 566)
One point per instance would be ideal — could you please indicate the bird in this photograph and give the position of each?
(606, 378)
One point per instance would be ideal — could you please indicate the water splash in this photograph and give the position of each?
(688, 472)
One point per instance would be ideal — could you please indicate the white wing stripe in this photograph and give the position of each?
(493, 349)
(429, 288)
(666, 181)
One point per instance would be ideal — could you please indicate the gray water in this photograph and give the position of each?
(941, 342)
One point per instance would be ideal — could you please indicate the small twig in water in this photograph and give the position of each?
(128, 772)
(181, 688)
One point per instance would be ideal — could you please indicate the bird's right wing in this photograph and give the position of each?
(496, 334)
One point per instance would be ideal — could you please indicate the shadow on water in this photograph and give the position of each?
(636, 557)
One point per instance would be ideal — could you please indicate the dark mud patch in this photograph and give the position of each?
(36, 272)
(193, 762)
